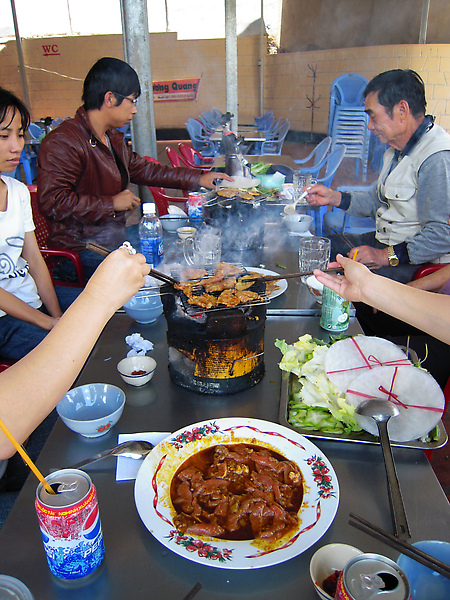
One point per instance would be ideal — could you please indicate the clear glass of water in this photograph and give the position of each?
(314, 253)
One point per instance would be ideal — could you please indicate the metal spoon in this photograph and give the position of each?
(132, 449)
(381, 411)
(289, 209)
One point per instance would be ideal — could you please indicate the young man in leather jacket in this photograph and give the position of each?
(85, 167)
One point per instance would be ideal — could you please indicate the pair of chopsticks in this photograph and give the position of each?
(383, 536)
(342, 237)
(105, 251)
(26, 458)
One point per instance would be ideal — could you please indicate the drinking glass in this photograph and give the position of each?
(203, 249)
(300, 181)
(314, 253)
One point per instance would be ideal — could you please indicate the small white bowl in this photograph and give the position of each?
(92, 409)
(185, 232)
(127, 366)
(328, 559)
(173, 222)
(298, 223)
(145, 306)
(315, 287)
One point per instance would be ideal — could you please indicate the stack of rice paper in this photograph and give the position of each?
(356, 369)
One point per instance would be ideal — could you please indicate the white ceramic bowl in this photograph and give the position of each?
(315, 287)
(173, 222)
(425, 583)
(328, 559)
(92, 409)
(185, 232)
(127, 366)
(298, 223)
(145, 306)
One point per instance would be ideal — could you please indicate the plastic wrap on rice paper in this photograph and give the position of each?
(349, 358)
(415, 393)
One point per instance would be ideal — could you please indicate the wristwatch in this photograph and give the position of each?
(392, 257)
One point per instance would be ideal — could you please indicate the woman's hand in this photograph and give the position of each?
(118, 278)
(351, 286)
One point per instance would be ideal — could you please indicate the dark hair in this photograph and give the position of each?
(9, 101)
(109, 75)
(398, 84)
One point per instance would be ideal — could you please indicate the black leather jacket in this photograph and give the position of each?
(78, 177)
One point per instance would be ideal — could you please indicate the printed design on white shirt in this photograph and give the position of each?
(7, 267)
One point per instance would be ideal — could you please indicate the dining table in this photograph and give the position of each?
(139, 566)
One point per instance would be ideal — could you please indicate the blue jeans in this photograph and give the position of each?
(18, 337)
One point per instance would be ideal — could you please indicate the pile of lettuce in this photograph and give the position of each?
(316, 404)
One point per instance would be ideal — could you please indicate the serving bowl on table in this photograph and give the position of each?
(326, 560)
(92, 409)
(271, 182)
(137, 370)
(315, 287)
(298, 223)
(425, 583)
(317, 511)
(173, 222)
(145, 306)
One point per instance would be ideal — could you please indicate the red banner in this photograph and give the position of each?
(175, 89)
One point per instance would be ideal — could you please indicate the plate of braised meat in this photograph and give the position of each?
(237, 493)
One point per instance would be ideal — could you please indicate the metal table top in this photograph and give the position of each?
(136, 565)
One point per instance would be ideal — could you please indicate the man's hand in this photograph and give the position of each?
(126, 200)
(207, 179)
(319, 195)
(367, 254)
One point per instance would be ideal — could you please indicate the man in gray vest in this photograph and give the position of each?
(411, 201)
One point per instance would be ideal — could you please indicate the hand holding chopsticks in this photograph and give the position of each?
(399, 545)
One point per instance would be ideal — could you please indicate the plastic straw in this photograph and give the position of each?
(26, 458)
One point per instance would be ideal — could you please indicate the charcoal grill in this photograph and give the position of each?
(214, 351)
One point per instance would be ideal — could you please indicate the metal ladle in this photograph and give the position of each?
(289, 209)
(381, 411)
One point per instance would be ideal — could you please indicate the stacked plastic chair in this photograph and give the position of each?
(273, 143)
(194, 159)
(200, 138)
(319, 154)
(348, 120)
(265, 121)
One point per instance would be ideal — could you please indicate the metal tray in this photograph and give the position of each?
(359, 437)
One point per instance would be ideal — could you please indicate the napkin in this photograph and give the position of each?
(139, 346)
(127, 468)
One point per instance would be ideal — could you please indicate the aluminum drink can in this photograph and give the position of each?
(70, 524)
(335, 311)
(372, 576)
(195, 206)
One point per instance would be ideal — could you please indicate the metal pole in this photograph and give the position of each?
(424, 22)
(26, 96)
(231, 61)
(261, 61)
(136, 41)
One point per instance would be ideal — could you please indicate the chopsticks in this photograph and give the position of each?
(342, 237)
(105, 251)
(383, 536)
(197, 587)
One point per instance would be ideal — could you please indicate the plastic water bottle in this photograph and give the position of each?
(151, 235)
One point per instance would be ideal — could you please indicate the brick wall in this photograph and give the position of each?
(287, 81)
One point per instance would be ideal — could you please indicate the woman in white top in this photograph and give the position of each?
(29, 304)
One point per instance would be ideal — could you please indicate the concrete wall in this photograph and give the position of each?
(288, 80)
(325, 24)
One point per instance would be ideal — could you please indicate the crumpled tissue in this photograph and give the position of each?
(139, 346)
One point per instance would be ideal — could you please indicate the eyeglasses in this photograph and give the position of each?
(133, 100)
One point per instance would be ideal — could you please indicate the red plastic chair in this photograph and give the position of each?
(160, 197)
(174, 158)
(189, 154)
(50, 254)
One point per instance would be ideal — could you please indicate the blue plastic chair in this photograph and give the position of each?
(319, 153)
(274, 144)
(346, 90)
(339, 220)
(199, 138)
(332, 164)
(126, 130)
(263, 123)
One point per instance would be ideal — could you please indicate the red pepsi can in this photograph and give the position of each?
(70, 524)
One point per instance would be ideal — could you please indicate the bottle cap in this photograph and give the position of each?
(149, 208)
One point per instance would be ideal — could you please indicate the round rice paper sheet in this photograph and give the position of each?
(416, 394)
(348, 359)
